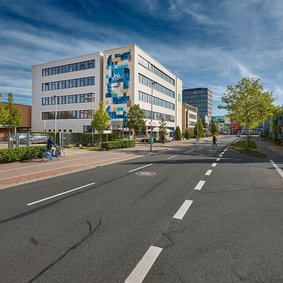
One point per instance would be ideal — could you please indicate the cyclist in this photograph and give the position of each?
(51, 146)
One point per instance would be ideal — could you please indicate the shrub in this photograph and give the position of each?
(22, 153)
(187, 134)
(177, 134)
(118, 144)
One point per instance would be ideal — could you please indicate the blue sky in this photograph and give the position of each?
(207, 43)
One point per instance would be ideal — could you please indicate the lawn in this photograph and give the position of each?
(243, 144)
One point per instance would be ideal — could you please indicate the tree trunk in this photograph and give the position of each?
(248, 137)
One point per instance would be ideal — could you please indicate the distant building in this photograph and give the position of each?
(189, 117)
(201, 98)
(223, 124)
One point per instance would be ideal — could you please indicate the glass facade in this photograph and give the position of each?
(201, 98)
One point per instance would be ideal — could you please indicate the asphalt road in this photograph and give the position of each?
(180, 216)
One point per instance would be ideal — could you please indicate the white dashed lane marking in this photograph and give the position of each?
(208, 172)
(143, 267)
(183, 209)
(199, 185)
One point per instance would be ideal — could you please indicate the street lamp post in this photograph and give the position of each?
(197, 126)
(55, 120)
(151, 106)
(92, 112)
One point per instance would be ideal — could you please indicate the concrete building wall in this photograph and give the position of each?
(78, 102)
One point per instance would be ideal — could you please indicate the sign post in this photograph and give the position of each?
(260, 130)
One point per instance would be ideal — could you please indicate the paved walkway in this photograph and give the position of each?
(76, 160)
(81, 159)
(268, 148)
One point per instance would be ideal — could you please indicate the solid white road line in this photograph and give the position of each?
(189, 151)
(200, 147)
(183, 209)
(208, 172)
(199, 185)
(140, 167)
(143, 267)
(54, 196)
(172, 156)
(277, 168)
(214, 164)
(217, 159)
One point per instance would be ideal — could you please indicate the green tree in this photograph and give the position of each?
(135, 119)
(14, 118)
(214, 129)
(162, 127)
(187, 134)
(198, 129)
(177, 134)
(10, 116)
(248, 103)
(3, 113)
(101, 120)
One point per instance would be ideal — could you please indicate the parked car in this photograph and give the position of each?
(39, 138)
(23, 138)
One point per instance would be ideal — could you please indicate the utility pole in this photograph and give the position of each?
(151, 116)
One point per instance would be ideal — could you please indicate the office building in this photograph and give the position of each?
(73, 88)
(189, 118)
(131, 76)
(201, 98)
(66, 93)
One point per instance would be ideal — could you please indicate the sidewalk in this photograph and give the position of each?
(269, 149)
(76, 160)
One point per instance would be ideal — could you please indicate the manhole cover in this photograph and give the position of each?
(143, 173)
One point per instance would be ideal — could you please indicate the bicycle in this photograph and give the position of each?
(48, 155)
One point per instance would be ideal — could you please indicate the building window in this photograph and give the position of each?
(148, 82)
(84, 65)
(86, 81)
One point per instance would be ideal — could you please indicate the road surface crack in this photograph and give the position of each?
(90, 232)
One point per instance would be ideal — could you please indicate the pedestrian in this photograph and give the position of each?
(162, 139)
(214, 139)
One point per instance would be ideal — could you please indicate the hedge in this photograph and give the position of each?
(21, 153)
(118, 144)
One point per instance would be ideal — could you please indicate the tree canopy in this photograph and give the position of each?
(10, 116)
(135, 118)
(162, 127)
(101, 120)
(248, 103)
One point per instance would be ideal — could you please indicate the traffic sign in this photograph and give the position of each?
(260, 128)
